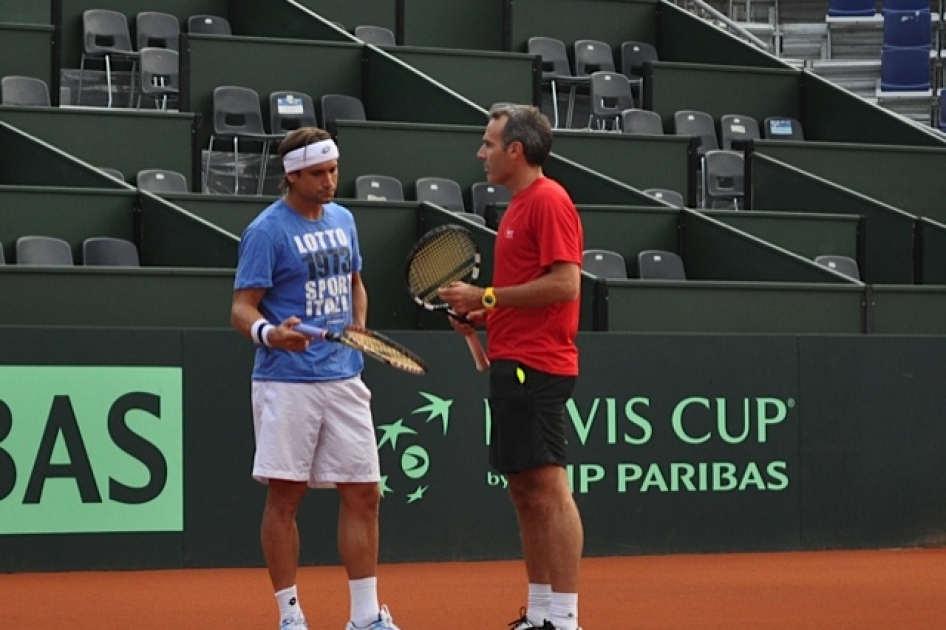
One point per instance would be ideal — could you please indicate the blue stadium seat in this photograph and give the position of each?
(908, 29)
(852, 8)
(942, 110)
(906, 5)
(905, 70)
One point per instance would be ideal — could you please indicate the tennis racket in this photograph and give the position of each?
(371, 343)
(444, 255)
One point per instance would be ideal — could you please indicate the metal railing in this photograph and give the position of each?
(708, 12)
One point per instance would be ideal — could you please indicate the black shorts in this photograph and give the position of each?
(527, 411)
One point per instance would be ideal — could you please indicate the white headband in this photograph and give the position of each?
(309, 155)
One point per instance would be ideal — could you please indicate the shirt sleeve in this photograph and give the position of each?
(256, 261)
(560, 233)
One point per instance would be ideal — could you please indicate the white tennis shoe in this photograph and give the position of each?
(384, 622)
(296, 623)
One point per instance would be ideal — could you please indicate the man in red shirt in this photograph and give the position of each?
(531, 317)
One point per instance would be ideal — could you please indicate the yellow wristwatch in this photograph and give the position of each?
(489, 299)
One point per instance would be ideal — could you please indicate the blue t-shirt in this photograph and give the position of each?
(306, 268)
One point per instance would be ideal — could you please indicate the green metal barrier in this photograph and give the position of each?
(909, 178)
(715, 251)
(733, 307)
(932, 250)
(832, 114)
(27, 50)
(720, 90)
(67, 213)
(70, 18)
(28, 161)
(284, 19)
(396, 91)
(571, 20)
(637, 160)
(352, 14)
(682, 36)
(25, 12)
(630, 230)
(471, 24)
(483, 77)
(173, 237)
(888, 249)
(806, 234)
(128, 140)
(908, 310)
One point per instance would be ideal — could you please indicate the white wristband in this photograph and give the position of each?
(259, 332)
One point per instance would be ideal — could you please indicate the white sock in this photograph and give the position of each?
(288, 601)
(537, 606)
(364, 601)
(563, 612)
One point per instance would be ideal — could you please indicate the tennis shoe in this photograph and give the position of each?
(522, 623)
(384, 622)
(293, 623)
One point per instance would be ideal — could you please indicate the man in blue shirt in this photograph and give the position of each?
(300, 263)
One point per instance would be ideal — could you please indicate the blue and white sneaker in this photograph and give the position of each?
(384, 622)
(293, 623)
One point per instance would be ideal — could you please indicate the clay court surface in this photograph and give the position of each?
(867, 590)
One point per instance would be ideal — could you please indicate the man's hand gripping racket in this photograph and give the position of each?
(442, 256)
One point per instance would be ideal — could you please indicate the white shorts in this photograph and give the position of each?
(320, 433)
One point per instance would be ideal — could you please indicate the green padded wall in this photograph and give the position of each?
(908, 310)
(352, 14)
(283, 19)
(25, 12)
(28, 51)
(472, 24)
(128, 140)
(933, 259)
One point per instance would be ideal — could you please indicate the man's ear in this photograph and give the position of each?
(515, 149)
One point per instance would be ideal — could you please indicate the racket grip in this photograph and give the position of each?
(476, 349)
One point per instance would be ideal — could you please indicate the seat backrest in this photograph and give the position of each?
(655, 264)
(554, 56)
(442, 192)
(688, 122)
(841, 264)
(340, 107)
(160, 70)
(154, 29)
(782, 128)
(667, 196)
(112, 172)
(908, 29)
(24, 91)
(237, 110)
(161, 181)
(603, 263)
(208, 25)
(852, 8)
(905, 70)
(43, 250)
(289, 111)
(107, 251)
(906, 5)
(633, 57)
(725, 174)
(375, 35)
(610, 93)
(483, 194)
(734, 128)
(379, 187)
(3, 260)
(635, 120)
(591, 56)
(105, 31)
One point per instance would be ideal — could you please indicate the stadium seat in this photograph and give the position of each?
(905, 70)
(852, 8)
(655, 264)
(378, 188)
(375, 35)
(161, 181)
(208, 25)
(290, 110)
(604, 263)
(633, 57)
(160, 75)
(483, 194)
(734, 128)
(340, 107)
(154, 29)
(841, 264)
(105, 36)
(644, 121)
(725, 178)
(695, 123)
(442, 192)
(237, 115)
(43, 250)
(908, 29)
(556, 73)
(24, 91)
(109, 252)
(671, 197)
(782, 128)
(610, 95)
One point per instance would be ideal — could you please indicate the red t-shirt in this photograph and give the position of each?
(540, 227)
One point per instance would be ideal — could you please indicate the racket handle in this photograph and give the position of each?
(476, 349)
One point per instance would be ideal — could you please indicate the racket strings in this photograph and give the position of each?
(384, 350)
(449, 258)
